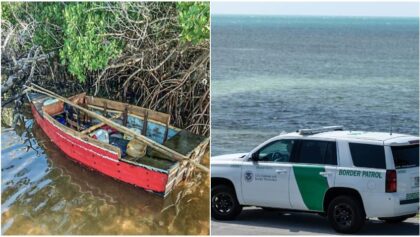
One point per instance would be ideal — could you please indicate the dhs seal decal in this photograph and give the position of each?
(248, 176)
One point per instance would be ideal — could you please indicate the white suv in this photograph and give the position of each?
(347, 175)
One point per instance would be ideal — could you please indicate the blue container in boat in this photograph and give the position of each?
(120, 143)
(61, 120)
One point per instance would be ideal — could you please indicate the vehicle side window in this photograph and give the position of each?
(317, 152)
(278, 151)
(331, 155)
(368, 156)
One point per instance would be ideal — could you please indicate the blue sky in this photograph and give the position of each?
(393, 9)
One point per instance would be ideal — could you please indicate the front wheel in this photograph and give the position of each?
(346, 214)
(224, 204)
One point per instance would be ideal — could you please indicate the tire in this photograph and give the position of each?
(346, 214)
(393, 220)
(224, 204)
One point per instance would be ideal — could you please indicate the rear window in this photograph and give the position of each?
(368, 156)
(405, 156)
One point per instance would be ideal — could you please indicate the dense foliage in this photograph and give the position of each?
(78, 31)
(194, 21)
(154, 54)
(85, 45)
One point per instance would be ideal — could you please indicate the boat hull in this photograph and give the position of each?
(101, 159)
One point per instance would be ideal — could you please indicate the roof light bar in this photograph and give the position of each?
(308, 131)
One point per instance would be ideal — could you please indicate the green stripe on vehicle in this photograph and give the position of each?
(312, 186)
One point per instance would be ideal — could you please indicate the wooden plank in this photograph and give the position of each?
(203, 144)
(132, 109)
(125, 116)
(144, 131)
(94, 127)
(78, 98)
(151, 162)
(165, 136)
(134, 115)
(58, 107)
(73, 124)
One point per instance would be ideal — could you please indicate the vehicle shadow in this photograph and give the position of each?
(260, 222)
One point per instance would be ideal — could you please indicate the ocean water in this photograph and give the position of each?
(272, 74)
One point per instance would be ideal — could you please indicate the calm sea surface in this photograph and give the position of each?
(43, 192)
(274, 74)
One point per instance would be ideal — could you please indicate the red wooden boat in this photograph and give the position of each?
(75, 134)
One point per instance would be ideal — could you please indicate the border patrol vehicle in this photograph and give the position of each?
(348, 176)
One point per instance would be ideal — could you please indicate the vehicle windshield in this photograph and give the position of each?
(406, 156)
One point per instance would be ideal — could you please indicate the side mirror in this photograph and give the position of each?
(254, 156)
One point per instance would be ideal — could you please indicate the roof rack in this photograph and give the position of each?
(310, 131)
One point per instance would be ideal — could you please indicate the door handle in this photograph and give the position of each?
(281, 171)
(325, 174)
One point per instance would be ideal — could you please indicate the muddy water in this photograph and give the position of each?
(43, 192)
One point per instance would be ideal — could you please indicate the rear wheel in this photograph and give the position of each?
(224, 204)
(346, 214)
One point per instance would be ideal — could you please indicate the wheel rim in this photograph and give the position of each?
(343, 215)
(222, 203)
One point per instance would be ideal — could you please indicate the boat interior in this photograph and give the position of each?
(152, 124)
